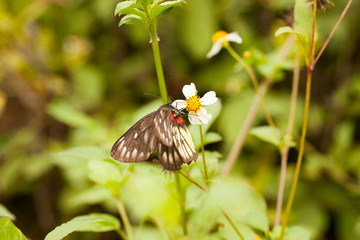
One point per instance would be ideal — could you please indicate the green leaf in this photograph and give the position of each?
(109, 223)
(164, 8)
(212, 137)
(85, 153)
(122, 6)
(266, 133)
(9, 231)
(102, 172)
(283, 30)
(156, 2)
(257, 221)
(75, 200)
(292, 233)
(4, 212)
(65, 112)
(302, 25)
(129, 19)
(300, 36)
(303, 18)
(91, 223)
(153, 193)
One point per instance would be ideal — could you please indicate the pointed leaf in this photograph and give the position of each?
(291, 233)
(91, 222)
(4, 212)
(65, 112)
(9, 231)
(129, 19)
(109, 223)
(164, 8)
(286, 29)
(267, 134)
(122, 6)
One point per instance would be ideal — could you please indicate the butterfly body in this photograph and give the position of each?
(164, 132)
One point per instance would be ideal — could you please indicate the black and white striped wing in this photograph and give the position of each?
(183, 142)
(162, 125)
(169, 157)
(138, 142)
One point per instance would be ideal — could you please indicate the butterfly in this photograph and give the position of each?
(163, 132)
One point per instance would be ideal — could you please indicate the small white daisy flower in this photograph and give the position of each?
(220, 38)
(194, 104)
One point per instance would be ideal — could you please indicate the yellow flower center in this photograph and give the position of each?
(193, 104)
(219, 34)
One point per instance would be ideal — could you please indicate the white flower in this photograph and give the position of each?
(219, 39)
(194, 104)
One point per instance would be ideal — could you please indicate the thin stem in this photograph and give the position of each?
(158, 65)
(304, 126)
(203, 154)
(122, 234)
(161, 227)
(312, 37)
(244, 130)
(232, 224)
(125, 219)
(256, 86)
(222, 211)
(300, 156)
(285, 149)
(332, 32)
(182, 203)
(188, 177)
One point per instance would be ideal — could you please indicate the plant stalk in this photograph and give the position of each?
(285, 149)
(332, 32)
(300, 155)
(182, 203)
(255, 82)
(125, 219)
(158, 65)
(203, 155)
(237, 146)
(222, 211)
(193, 181)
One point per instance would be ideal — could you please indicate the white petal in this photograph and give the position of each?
(204, 116)
(194, 119)
(233, 37)
(209, 98)
(189, 90)
(215, 49)
(178, 104)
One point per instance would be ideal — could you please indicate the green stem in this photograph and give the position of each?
(182, 203)
(121, 234)
(158, 65)
(256, 86)
(161, 227)
(188, 177)
(232, 224)
(304, 126)
(285, 149)
(125, 219)
(300, 156)
(203, 154)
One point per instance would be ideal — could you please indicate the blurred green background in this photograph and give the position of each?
(70, 77)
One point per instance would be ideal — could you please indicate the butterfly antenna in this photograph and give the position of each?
(153, 95)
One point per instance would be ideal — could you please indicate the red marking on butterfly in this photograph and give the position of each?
(178, 119)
